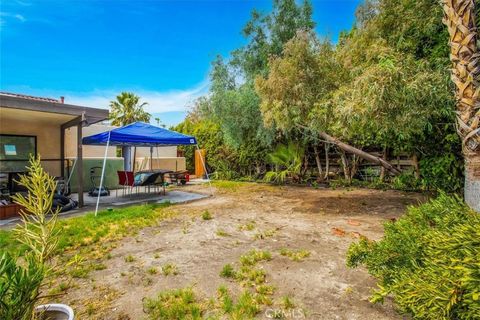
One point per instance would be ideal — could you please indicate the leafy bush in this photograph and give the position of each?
(21, 281)
(406, 181)
(428, 260)
(206, 215)
(19, 286)
(443, 172)
(287, 160)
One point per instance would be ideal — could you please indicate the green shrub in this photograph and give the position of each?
(175, 304)
(227, 271)
(443, 172)
(206, 215)
(22, 279)
(406, 181)
(19, 286)
(428, 260)
(253, 256)
(287, 162)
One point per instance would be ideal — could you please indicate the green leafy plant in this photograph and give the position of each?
(427, 260)
(152, 270)
(295, 255)
(19, 286)
(169, 269)
(249, 226)
(127, 109)
(406, 181)
(227, 271)
(129, 258)
(265, 234)
(21, 282)
(174, 304)
(254, 256)
(442, 172)
(287, 160)
(222, 233)
(206, 215)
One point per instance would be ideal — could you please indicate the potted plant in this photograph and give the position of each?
(22, 278)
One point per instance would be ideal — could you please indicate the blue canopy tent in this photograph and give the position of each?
(138, 134)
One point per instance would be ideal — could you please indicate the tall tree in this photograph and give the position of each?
(124, 110)
(267, 34)
(296, 93)
(465, 57)
(233, 102)
(127, 109)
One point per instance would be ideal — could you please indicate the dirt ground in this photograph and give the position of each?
(322, 221)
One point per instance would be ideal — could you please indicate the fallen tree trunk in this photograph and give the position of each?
(362, 154)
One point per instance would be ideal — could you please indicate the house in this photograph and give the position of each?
(35, 125)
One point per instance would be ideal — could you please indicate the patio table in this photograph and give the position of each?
(147, 178)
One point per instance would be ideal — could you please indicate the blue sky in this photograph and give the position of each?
(90, 50)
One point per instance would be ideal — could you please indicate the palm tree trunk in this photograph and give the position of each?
(465, 56)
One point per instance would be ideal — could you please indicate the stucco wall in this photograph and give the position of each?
(110, 179)
(88, 151)
(158, 152)
(173, 163)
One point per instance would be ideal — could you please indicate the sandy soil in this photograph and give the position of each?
(323, 221)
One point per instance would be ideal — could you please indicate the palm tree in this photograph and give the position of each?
(287, 160)
(127, 109)
(124, 110)
(465, 56)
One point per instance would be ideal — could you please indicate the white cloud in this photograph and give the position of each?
(20, 17)
(8, 15)
(158, 101)
(23, 3)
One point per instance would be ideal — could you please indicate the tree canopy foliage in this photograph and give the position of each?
(383, 86)
(127, 109)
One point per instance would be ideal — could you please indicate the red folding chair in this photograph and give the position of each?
(126, 180)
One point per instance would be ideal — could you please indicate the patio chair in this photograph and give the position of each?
(126, 180)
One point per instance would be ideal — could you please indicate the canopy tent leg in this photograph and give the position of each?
(205, 168)
(103, 173)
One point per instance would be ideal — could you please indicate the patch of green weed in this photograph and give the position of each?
(174, 304)
(129, 258)
(254, 256)
(206, 215)
(228, 271)
(169, 269)
(222, 233)
(297, 255)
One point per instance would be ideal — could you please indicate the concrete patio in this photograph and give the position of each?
(142, 196)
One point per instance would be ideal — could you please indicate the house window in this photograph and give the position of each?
(15, 151)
